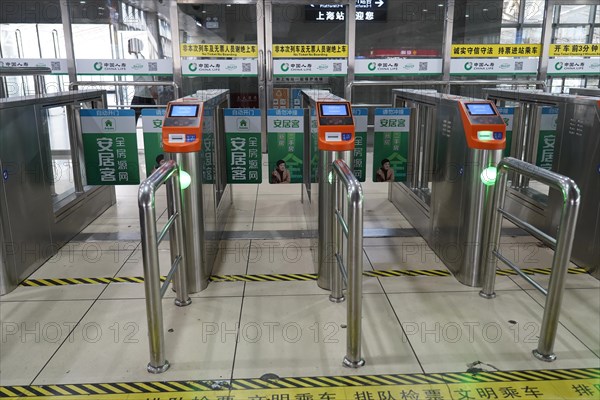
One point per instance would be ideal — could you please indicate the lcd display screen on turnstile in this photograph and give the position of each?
(334, 110)
(480, 109)
(184, 111)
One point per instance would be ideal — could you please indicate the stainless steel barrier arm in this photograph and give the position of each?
(36, 72)
(563, 244)
(344, 180)
(445, 84)
(173, 84)
(167, 173)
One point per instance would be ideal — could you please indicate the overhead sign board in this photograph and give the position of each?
(494, 66)
(220, 67)
(582, 49)
(310, 51)
(124, 67)
(292, 67)
(56, 65)
(398, 66)
(495, 50)
(366, 11)
(219, 50)
(574, 66)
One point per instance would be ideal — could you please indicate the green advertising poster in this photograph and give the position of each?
(390, 151)
(110, 147)
(361, 116)
(242, 138)
(152, 120)
(208, 146)
(547, 138)
(285, 133)
(508, 115)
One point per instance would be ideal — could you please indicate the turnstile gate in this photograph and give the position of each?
(329, 137)
(455, 144)
(576, 154)
(194, 136)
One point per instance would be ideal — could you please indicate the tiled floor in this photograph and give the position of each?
(98, 333)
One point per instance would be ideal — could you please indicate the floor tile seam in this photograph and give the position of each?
(448, 291)
(377, 277)
(531, 288)
(63, 342)
(254, 213)
(449, 378)
(102, 251)
(243, 298)
(94, 301)
(561, 323)
(397, 317)
(79, 322)
(45, 300)
(115, 275)
(171, 298)
(324, 294)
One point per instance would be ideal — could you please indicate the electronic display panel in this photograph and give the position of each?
(334, 110)
(184, 111)
(480, 109)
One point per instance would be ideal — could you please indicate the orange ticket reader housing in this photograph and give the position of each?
(483, 125)
(182, 126)
(335, 126)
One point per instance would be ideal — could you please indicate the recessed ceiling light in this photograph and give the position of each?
(440, 5)
(467, 16)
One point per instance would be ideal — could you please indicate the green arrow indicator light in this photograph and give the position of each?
(489, 175)
(185, 180)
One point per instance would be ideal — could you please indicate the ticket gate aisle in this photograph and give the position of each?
(576, 155)
(329, 135)
(194, 136)
(455, 144)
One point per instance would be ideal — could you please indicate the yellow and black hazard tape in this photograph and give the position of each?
(84, 281)
(380, 273)
(539, 384)
(263, 278)
(278, 277)
(539, 271)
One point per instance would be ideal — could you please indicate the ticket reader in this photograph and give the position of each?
(182, 141)
(182, 126)
(335, 126)
(334, 129)
(455, 148)
(483, 125)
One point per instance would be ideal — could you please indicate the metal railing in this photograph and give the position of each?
(562, 244)
(344, 181)
(167, 173)
(39, 83)
(173, 84)
(444, 86)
